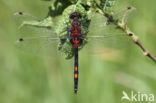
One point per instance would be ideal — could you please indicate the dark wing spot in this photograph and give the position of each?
(21, 39)
(128, 8)
(20, 13)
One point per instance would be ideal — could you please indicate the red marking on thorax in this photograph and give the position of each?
(76, 41)
(76, 32)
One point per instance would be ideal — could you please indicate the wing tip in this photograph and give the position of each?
(19, 13)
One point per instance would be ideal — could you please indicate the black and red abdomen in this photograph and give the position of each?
(75, 30)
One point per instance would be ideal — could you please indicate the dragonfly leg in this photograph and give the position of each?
(84, 19)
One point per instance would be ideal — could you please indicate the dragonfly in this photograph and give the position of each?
(34, 39)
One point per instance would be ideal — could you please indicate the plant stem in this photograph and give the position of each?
(123, 26)
(136, 41)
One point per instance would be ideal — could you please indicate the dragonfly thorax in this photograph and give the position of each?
(75, 30)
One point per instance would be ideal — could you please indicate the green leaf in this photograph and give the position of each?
(44, 23)
(58, 6)
(107, 5)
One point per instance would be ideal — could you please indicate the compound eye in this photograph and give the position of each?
(80, 16)
(71, 16)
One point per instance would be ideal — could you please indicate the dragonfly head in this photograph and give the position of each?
(75, 15)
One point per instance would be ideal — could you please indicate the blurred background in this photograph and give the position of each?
(29, 78)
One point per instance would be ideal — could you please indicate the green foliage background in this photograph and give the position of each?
(27, 78)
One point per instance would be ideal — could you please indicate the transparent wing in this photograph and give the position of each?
(125, 15)
(103, 37)
(38, 45)
(106, 40)
(97, 44)
(29, 25)
(36, 35)
(21, 16)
